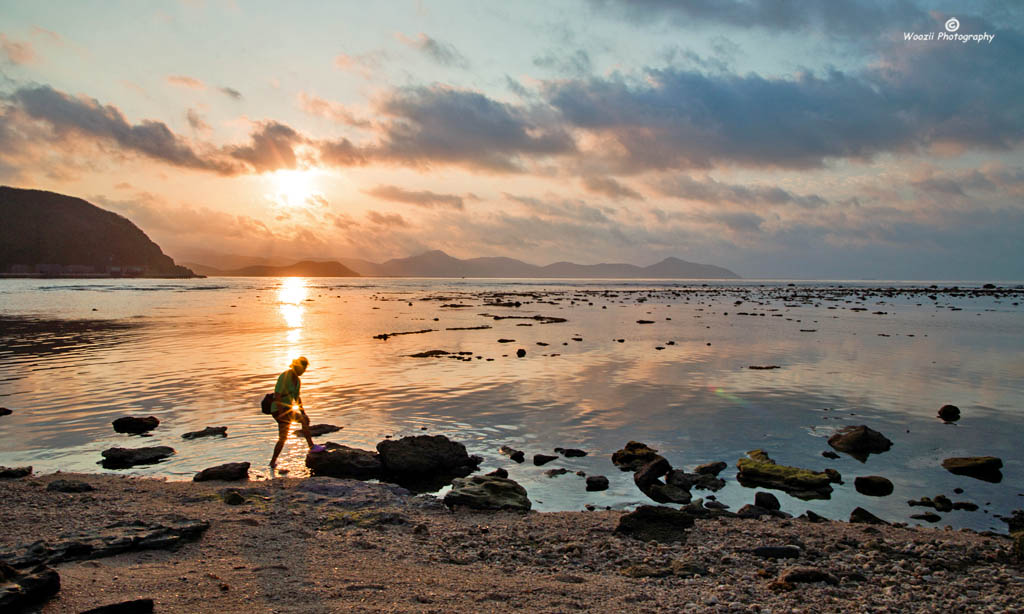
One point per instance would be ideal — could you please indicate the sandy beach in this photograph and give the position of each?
(328, 545)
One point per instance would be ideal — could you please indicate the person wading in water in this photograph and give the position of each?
(287, 408)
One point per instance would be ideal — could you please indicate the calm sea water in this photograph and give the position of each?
(75, 354)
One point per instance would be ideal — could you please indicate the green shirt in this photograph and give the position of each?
(286, 392)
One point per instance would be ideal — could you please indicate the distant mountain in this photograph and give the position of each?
(306, 268)
(44, 233)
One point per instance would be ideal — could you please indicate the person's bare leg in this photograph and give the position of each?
(304, 420)
(282, 436)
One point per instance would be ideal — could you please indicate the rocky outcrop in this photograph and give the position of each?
(699, 481)
(228, 472)
(986, 468)
(634, 456)
(859, 441)
(758, 469)
(123, 458)
(134, 425)
(210, 431)
(597, 483)
(488, 493)
(22, 589)
(425, 454)
(8, 473)
(339, 461)
(655, 523)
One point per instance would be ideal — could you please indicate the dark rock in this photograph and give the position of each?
(135, 425)
(777, 552)
(487, 493)
(966, 506)
(596, 483)
(760, 470)
(942, 503)
(711, 468)
(795, 575)
(520, 353)
(810, 516)
(927, 517)
(986, 468)
(513, 454)
(1018, 546)
(135, 606)
(210, 431)
(22, 589)
(665, 493)
(556, 472)
(227, 472)
(425, 462)
(339, 461)
(860, 515)
(69, 486)
(498, 473)
(5, 412)
(655, 523)
(949, 413)
(319, 430)
(351, 493)
(122, 458)
(873, 486)
(700, 481)
(859, 441)
(767, 500)
(716, 505)
(753, 511)
(570, 452)
(830, 454)
(14, 472)
(233, 497)
(1015, 521)
(634, 456)
(650, 472)
(543, 459)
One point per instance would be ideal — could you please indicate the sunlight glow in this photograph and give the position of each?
(293, 188)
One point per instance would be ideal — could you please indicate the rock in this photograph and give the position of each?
(233, 497)
(498, 473)
(227, 472)
(339, 461)
(942, 503)
(795, 575)
(873, 486)
(487, 493)
(14, 472)
(633, 456)
(767, 500)
(5, 412)
(352, 493)
(966, 506)
(860, 515)
(753, 511)
(135, 606)
(949, 413)
(69, 486)
(596, 483)
(210, 431)
(1015, 521)
(556, 472)
(650, 472)
(1018, 546)
(644, 570)
(986, 468)
(666, 493)
(655, 523)
(22, 589)
(542, 459)
(425, 462)
(122, 458)
(520, 353)
(711, 468)
(777, 552)
(700, 481)
(830, 454)
(135, 425)
(319, 430)
(570, 452)
(927, 517)
(516, 455)
(810, 516)
(716, 505)
(859, 441)
(760, 470)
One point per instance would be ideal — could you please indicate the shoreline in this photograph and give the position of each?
(325, 544)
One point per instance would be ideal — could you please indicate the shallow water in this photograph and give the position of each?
(75, 354)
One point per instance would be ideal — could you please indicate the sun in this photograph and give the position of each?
(292, 188)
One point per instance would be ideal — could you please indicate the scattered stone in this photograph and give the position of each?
(135, 425)
(429, 354)
(69, 486)
(634, 456)
(700, 481)
(830, 454)
(8, 473)
(513, 454)
(651, 472)
(859, 441)
(339, 461)
(767, 500)
(665, 493)
(949, 413)
(520, 353)
(764, 367)
(986, 468)
(5, 412)
(227, 472)
(777, 552)
(319, 430)
(21, 589)
(753, 511)
(570, 452)
(556, 472)
(351, 493)
(233, 497)
(123, 458)
(135, 606)
(966, 506)
(597, 483)
(644, 570)
(711, 468)
(810, 516)
(794, 575)
(543, 459)
(498, 473)
(859, 515)
(487, 493)
(655, 523)
(758, 469)
(873, 486)
(927, 517)
(210, 431)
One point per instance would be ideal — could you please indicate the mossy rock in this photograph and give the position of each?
(759, 470)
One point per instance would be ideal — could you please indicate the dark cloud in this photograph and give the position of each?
(426, 199)
(230, 92)
(441, 52)
(567, 209)
(576, 63)
(711, 191)
(195, 119)
(389, 220)
(610, 187)
(272, 148)
(342, 152)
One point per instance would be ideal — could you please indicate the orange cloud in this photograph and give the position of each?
(186, 81)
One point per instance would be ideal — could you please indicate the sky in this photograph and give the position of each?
(778, 139)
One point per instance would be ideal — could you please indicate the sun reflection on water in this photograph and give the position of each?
(290, 296)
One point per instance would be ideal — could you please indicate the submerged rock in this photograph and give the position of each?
(484, 492)
(339, 461)
(498, 473)
(986, 468)
(543, 459)
(634, 456)
(570, 452)
(949, 413)
(21, 589)
(513, 454)
(873, 485)
(655, 523)
(597, 483)
(210, 431)
(700, 481)
(319, 430)
(15, 472)
(859, 441)
(760, 470)
(226, 472)
(123, 458)
(425, 454)
(135, 425)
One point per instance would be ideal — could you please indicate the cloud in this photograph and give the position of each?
(342, 152)
(364, 65)
(443, 53)
(196, 121)
(314, 105)
(272, 147)
(186, 81)
(230, 92)
(422, 198)
(566, 209)
(576, 63)
(17, 52)
(610, 187)
(711, 191)
(390, 220)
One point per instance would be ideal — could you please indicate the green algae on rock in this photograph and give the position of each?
(758, 469)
